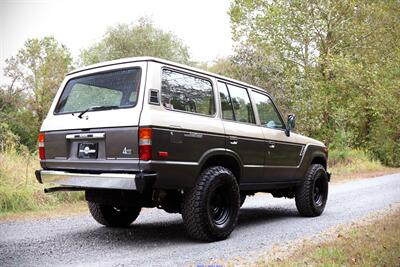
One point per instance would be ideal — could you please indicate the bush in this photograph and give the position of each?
(8, 140)
(349, 161)
(387, 151)
(19, 190)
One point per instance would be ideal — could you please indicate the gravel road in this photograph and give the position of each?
(158, 238)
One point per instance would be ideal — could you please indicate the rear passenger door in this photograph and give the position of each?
(282, 154)
(243, 136)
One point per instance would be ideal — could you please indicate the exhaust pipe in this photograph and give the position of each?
(62, 188)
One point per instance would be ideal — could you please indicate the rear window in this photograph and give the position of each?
(117, 88)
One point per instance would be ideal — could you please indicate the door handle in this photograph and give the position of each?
(271, 145)
(233, 140)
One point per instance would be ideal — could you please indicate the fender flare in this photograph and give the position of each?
(311, 154)
(220, 152)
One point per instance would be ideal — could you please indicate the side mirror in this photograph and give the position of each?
(291, 123)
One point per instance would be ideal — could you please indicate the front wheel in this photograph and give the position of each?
(312, 195)
(210, 209)
(113, 216)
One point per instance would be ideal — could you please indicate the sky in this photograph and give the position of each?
(202, 25)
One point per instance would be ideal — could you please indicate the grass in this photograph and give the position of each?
(49, 211)
(374, 242)
(349, 164)
(19, 190)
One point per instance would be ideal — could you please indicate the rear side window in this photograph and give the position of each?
(241, 104)
(117, 89)
(186, 93)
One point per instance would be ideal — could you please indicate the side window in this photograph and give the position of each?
(226, 104)
(241, 104)
(269, 116)
(187, 93)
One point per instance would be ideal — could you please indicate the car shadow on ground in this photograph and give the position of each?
(151, 232)
(170, 231)
(257, 216)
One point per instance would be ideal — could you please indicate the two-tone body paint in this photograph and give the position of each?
(266, 156)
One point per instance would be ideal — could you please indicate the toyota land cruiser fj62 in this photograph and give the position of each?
(145, 132)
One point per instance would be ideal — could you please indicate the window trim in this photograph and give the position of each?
(101, 72)
(220, 102)
(195, 76)
(275, 108)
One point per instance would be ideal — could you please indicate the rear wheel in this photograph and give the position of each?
(312, 195)
(210, 209)
(113, 216)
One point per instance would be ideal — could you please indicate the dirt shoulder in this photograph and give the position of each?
(373, 241)
(337, 177)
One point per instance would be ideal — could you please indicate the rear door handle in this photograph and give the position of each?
(271, 145)
(233, 140)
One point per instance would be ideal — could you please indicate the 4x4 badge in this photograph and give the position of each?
(127, 151)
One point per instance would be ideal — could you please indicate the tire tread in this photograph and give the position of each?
(193, 210)
(304, 193)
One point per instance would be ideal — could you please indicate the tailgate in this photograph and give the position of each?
(100, 149)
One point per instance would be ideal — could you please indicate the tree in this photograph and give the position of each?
(130, 40)
(36, 73)
(335, 58)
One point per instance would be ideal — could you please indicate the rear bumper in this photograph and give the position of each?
(123, 181)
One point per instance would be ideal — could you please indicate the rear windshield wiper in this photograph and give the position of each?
(92, 108)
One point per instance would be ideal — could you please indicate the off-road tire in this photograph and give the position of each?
(311, 196)
(113, 216)
(208, 214)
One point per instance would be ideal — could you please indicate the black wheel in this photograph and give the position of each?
(312, 195)
(242, 199)
(210, 209)
(113, 216)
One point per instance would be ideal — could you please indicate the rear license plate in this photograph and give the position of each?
(88, 150)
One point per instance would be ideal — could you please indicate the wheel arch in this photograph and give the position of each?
(320, 159)
(313, 155)
(222, 157)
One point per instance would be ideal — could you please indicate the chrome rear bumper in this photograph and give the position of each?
(124, 181)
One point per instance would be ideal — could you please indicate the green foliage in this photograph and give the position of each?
(36, 73)
(348, 157)
(334, 63)
(132, 40)
(8, 140)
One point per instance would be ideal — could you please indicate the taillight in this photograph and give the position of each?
(145, 135)
(41, 145)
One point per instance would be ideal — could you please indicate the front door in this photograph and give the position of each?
(283, 155)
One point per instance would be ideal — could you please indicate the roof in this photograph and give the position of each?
(162, 61)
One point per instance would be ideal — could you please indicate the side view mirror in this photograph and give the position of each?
(291, 123)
